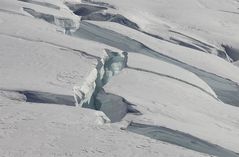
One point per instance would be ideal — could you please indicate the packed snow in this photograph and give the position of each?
(119, 78)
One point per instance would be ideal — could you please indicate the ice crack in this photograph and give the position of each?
(105, 69)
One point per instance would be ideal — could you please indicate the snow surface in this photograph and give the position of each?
(160, 69)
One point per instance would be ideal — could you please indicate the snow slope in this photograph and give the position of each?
(119, 78)
(209, 21)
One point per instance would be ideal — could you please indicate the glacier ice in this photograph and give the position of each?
(68, 25)
(107, 67)
(226, 90)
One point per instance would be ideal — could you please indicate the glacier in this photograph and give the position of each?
(105, 69)
(119, 78)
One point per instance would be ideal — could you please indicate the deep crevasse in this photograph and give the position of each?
(107, 67)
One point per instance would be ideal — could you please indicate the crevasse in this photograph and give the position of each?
(107, 67)
(66, 24)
